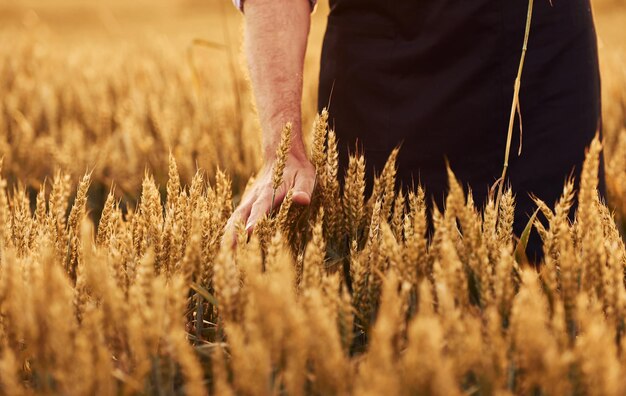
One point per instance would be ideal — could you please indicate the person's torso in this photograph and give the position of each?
(438, 74)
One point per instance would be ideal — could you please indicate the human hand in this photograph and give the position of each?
(299, 175)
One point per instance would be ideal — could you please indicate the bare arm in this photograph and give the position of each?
(275, 43)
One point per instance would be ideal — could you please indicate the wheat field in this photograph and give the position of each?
(128, 134)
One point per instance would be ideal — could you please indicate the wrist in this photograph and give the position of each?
(297, 149)
(297, 152)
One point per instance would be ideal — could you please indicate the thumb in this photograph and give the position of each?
(303, 189)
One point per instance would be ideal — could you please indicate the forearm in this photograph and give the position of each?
(275, 43)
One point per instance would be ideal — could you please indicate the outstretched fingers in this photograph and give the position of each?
(239, 216)
(263, 205)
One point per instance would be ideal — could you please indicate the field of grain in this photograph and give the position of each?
(128, 133)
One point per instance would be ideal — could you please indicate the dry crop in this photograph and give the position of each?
(346, 296)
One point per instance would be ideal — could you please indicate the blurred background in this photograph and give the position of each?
(113, 86)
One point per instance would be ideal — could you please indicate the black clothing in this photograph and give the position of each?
(437, 77)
